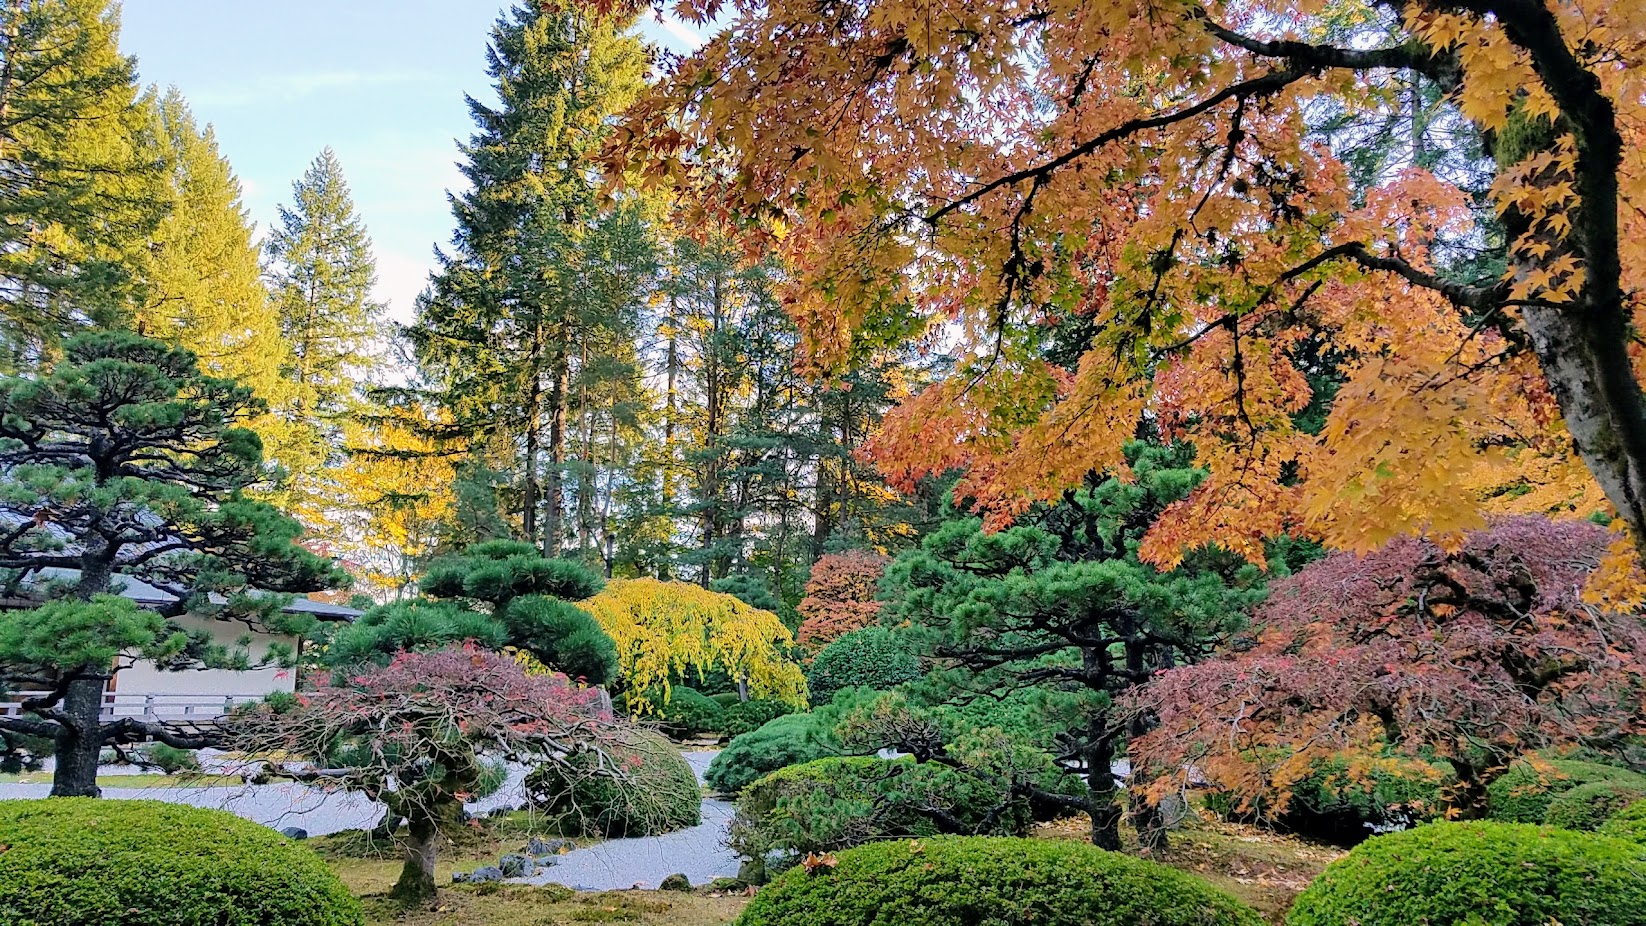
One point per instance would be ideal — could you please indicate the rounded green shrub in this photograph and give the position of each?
(655, 790)
(1628, 823)
(1522, 794)
(88, 862)
(1481, 874)
(689, 712)
(845, 801)
(747, 716)
(788, 740)
(991, 881)
(1587, 807)
(874, 657)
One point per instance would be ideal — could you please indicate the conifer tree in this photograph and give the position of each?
(202, 277)
(124, 460)
(77, 199)
(321, 274)
(539, 280)
(322, 279)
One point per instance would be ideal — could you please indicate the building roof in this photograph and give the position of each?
(151, 597)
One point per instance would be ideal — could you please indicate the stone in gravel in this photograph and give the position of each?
(515, 865)
(460, 877)
(675, 882)
(295, 832)
(487, 873)
(544, 861)
(541, 846)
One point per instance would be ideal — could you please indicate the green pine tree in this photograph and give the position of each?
(78, 199)
(202, 276)
(540, 281)
(322, 272)
(126, 460)
(322, 276)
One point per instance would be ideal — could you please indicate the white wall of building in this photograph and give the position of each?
(145, 678)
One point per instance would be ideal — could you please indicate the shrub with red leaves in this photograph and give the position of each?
(840, 596)
(1474, 657)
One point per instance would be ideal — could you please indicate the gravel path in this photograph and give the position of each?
(699, 853)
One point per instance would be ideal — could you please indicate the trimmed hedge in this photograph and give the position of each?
(788, 740)
(1587, 807)
(658, 793)
(689, 712)
(874, 657)
(1628, 824)
(1524, 792)
(992, 881)
(1482, 874)
(88, 862)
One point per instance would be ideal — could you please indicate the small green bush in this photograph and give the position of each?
(1481, 874)
(747, 716)
(689, 712)
(87, 862)
(1587, 807)
(172, 760)
(657, 791)
(1628, 823)
(788, 740)
(1346, 799)
(841, 802)
(992, 881)
(874, 657)
(1522, 794)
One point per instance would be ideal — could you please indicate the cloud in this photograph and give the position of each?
(681, 31)
(287, 88)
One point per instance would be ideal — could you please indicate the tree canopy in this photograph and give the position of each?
(1186, 182)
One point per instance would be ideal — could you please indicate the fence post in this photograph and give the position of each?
(228, 705)
(148, 707)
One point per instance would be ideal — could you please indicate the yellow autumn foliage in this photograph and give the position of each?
(663, 628)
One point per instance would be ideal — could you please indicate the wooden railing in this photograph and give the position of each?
(158, 708)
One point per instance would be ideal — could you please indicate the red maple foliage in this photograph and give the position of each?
(840, 596)
(1472, 656)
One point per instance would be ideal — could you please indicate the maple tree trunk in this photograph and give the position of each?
(416, 882)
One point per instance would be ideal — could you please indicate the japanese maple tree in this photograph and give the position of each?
(1473, 657)
(416, 734)
(840, 596)
(1185, 179)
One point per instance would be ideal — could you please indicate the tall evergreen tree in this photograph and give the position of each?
(322, 276)
(540, 283)
(202, 286)
(321, 273)
(77, 198)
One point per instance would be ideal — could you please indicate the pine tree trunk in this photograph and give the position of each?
(79, 740)
(534, 435)
(1101, 791)
(8, 71)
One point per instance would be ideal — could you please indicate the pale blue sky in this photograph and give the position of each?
(380, 81)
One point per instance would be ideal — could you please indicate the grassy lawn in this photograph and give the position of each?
(1262, 868)
(133, 781)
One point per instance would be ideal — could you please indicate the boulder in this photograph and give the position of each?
(540, 846)
(675, 882)
(295, 832)
(485, 874)
(516, 865)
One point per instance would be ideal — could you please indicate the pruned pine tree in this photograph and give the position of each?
(125, 461)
